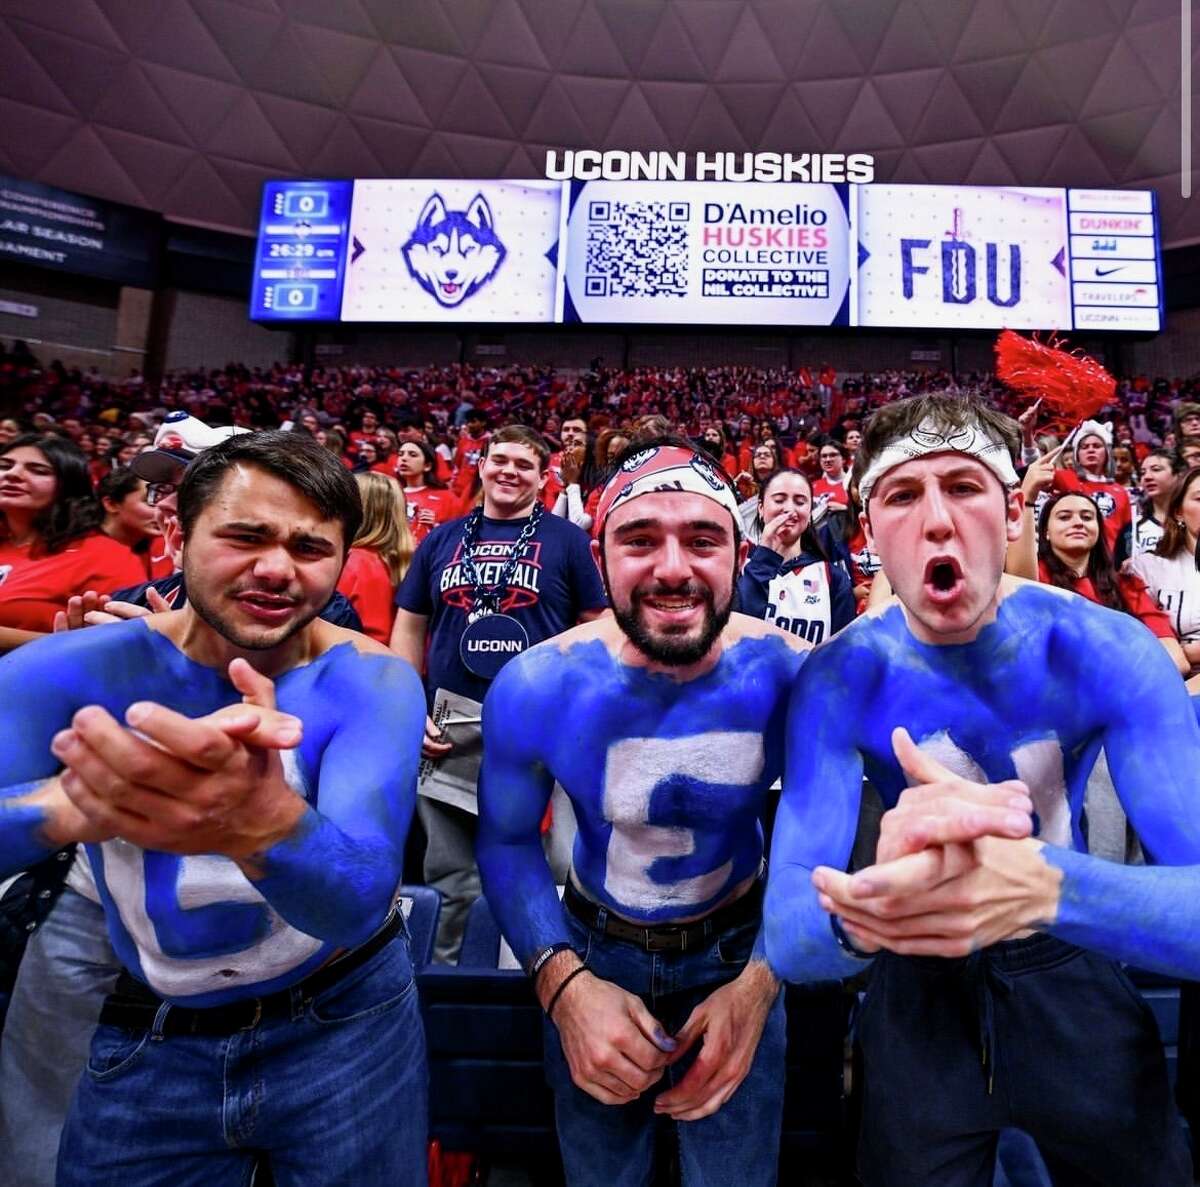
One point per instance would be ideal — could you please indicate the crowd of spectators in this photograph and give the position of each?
(427, 427)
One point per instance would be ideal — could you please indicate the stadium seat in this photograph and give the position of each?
(421, 906)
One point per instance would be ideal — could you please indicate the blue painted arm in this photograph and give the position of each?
(335, 877)
(815, 825)
(761, 565)
(1147, 916)
(37, 693)
(514, 789)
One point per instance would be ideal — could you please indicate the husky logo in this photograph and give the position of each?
(638, 460)
(701, 466)
(451, 253)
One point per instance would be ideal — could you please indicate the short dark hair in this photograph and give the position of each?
(75, 511)
(117, 485)
(294, 458)
(948, 412)
(1169, 456)
(521, 435)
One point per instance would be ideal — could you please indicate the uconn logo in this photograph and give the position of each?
(506, 645)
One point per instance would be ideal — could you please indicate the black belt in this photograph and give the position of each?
(133, 1006)
(678, 937)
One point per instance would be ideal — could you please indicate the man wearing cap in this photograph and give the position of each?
(996, 999)
(669, 719)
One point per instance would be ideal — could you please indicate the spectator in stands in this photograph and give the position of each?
(652, 954)
(713, 441)
(51, 542)
(1189, 452)
(1160, 477)
(368, 427)
(1171, 570)
(380, 555)
(788, 578)
(8, 430)
(509, 568)
(1073, 554)
(831, 488)
(1091, 474)
(609, 444)
(1187, 420)
(427, 500)
(995, 954)
(335, 442)
(131, 520)
(236, 816)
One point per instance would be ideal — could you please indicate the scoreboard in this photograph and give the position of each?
(708, 253)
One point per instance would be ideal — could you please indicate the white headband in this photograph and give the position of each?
(971, 439)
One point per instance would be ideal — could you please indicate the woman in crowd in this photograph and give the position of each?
(1073, 554)
(1092, 474)
(1160, 478)
(51, 542)
(713, 441)
(764, 461)
(130, 519)
(428, 501)
(609, 444)
(789, 579)
(379, 556)
(1172, 570)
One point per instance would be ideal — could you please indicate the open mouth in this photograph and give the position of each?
(450, 288)
(943, 579)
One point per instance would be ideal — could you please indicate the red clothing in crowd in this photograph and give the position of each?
(1111, 497)
(443, 503)
(469, 451)
(32, 589)
(1134, 594)
(835, 492)
(367, 585)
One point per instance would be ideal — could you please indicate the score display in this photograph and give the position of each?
(708, 253)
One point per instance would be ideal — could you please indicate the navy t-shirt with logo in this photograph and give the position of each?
(555, 581)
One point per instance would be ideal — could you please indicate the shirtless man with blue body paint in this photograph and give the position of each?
(222, 764)
(664, 724)
(996, 998)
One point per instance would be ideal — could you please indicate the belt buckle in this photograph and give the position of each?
(257, 1016)
(676, 942)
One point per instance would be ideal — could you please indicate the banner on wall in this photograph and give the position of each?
(708, 253)
(68, 232)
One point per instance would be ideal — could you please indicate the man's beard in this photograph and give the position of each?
(272, 637)
(673, 651)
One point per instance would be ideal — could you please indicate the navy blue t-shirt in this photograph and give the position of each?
(553, 584)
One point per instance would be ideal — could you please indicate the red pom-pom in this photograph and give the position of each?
(1072, 384)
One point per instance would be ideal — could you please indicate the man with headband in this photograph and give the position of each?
(996, 998)
(668, 733)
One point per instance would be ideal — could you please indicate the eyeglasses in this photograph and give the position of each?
(156, 491)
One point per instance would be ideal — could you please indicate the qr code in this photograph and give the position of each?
(636, 249)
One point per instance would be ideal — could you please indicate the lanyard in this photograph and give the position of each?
(486, 599)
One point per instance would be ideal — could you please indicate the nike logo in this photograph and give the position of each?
(1108, 271)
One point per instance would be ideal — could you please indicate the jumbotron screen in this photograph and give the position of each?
(708, 253)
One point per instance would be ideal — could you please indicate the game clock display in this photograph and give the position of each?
(708, 253)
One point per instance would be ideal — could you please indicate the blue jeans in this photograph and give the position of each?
(335, 1093)
(613, 1145)
(68, 970)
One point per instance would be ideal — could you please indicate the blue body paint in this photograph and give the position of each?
(668, 781)
(1034, 697)
(196, 928)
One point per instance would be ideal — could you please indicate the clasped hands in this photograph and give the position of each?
(163, 781)
(617, 1050)
(956, 868)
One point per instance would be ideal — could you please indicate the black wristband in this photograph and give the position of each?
(540, 958)
(844, 941)
(583, 968)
